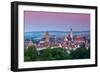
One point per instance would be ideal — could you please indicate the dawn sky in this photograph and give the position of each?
(50, 21)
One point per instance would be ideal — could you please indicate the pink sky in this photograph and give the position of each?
(56, 21)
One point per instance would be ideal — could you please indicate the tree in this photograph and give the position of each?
(30, 53)
(54, 54)
(46, 54)
(66, 56)
(60, 54)
(88, 53)
(80, 53)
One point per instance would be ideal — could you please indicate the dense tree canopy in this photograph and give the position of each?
(31, 54)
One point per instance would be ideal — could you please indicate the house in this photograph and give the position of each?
(28, 43)
(79, 40)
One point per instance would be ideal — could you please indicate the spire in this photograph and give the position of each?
(71, 34)
(71, 29)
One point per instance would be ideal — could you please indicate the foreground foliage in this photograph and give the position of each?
(31, 54)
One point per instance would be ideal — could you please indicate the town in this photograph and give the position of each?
(68, 42)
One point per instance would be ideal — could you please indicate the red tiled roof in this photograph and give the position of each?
(79, 39)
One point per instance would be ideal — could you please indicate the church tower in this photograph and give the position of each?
(71, 34)
(46, 36)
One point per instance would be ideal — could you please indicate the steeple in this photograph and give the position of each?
(71, 34)
(71, 29)
(46, 36)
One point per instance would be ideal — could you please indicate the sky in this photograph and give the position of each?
(55, 21)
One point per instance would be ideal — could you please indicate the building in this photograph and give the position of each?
(70, 42)
(79, 40)
(28, 43)
(44, 42)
